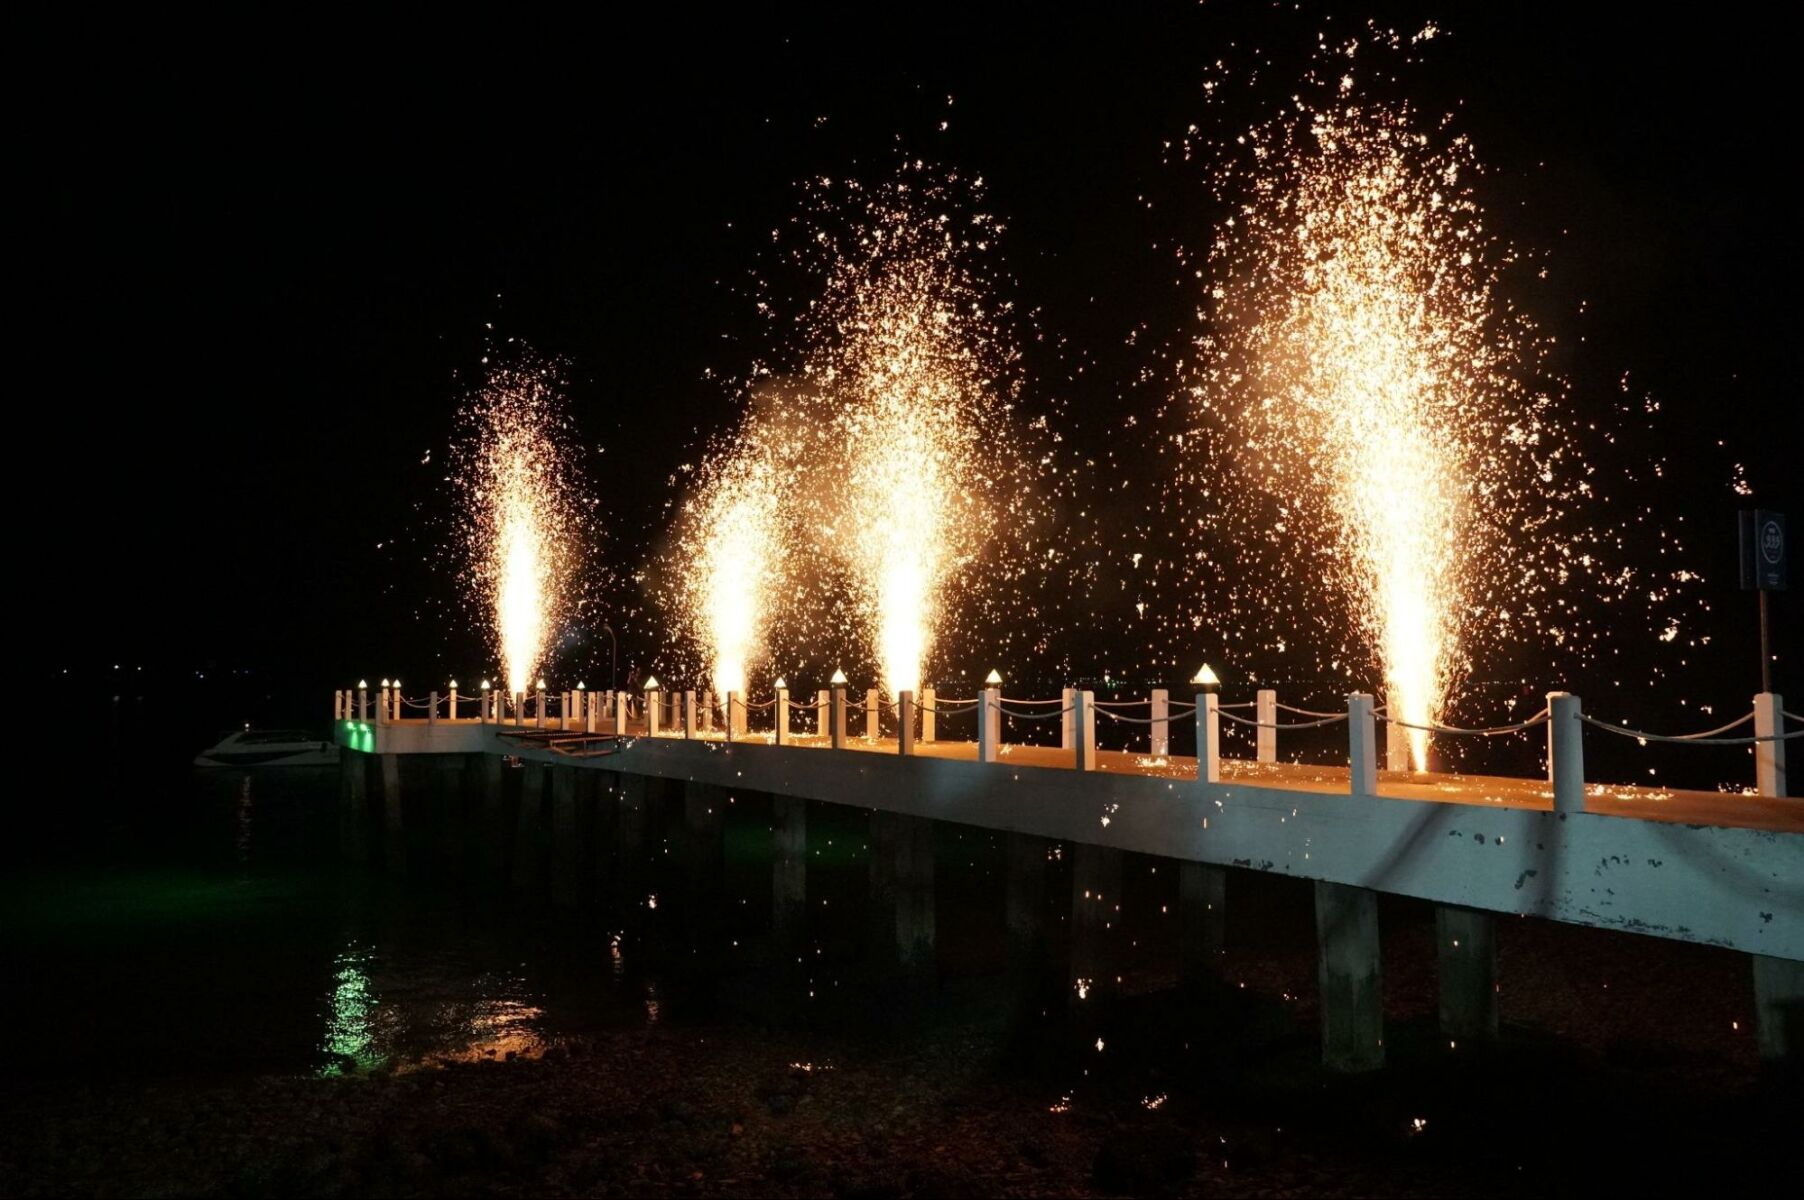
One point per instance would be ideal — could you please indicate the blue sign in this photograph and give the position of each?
(1763, 550)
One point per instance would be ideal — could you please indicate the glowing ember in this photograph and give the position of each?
(521, 495)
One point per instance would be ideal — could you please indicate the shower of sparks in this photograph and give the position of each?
(1372, 364)
(874, 480)
(1384, 439)
(904, 356)
(734, 547)
(522, 513)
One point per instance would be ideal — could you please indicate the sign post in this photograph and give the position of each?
(1763, 570)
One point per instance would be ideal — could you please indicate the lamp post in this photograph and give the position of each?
(613, 658)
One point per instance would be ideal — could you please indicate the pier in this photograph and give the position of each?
(1718, 868)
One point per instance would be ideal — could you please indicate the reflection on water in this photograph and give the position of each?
(440, 1016)
(203, 922)
(350, 1016)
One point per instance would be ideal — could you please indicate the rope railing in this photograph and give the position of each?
(949, 712)
(1021, 716)
(1040, 703)
(1689, 739)
(1540, 718)
(1257, 724)
(1133, 720)
(1301, 712)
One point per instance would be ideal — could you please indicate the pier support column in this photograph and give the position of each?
(529, 828)
(1202, 925)
(1095, 921)
(601, 800)
(353, 804)
(789, 876)
(565, 844)
(902, 896)
(1352, 992)
(1466, 956)
(704, 860)
(632, 854)
(1779, 1008)
(394, 832)
(493, 822)
(1025, 905)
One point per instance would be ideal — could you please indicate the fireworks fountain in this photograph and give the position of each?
(902, 377)
(1364, 367)
(522, 514)
(735, 547)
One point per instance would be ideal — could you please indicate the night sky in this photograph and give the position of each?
(260, 264)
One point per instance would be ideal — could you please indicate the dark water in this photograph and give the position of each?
(171, 924)
(166, 921)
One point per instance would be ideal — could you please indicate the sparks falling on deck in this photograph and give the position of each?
(1724, 869)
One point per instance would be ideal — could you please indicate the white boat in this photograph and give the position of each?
(268, 748)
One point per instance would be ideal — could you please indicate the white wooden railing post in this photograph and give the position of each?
(838, 711)
(363, 700)
(1362, 746)
(689, 712)
(1068, 720)
(928, 713)
(1208, 735)
(619, 714)
(432, 707)
(989, 724)
(905, 722)
(1265, 711)
(782, 735)
(654, 709)
(871, 708)
(1083, 714)
(1566, 752)
(1160, 729)
(1769, 757)
(396, 716)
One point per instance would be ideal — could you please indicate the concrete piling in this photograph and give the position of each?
(1025, 904)
(902, 902)
(789, 876)
(1095, 907)
(1779, 1008)
(394, 832)
(1466, 969)
(565, 844)
(1202, 925)
(529, 825)
(353, 804)
(704, 856)
(1352, 992)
